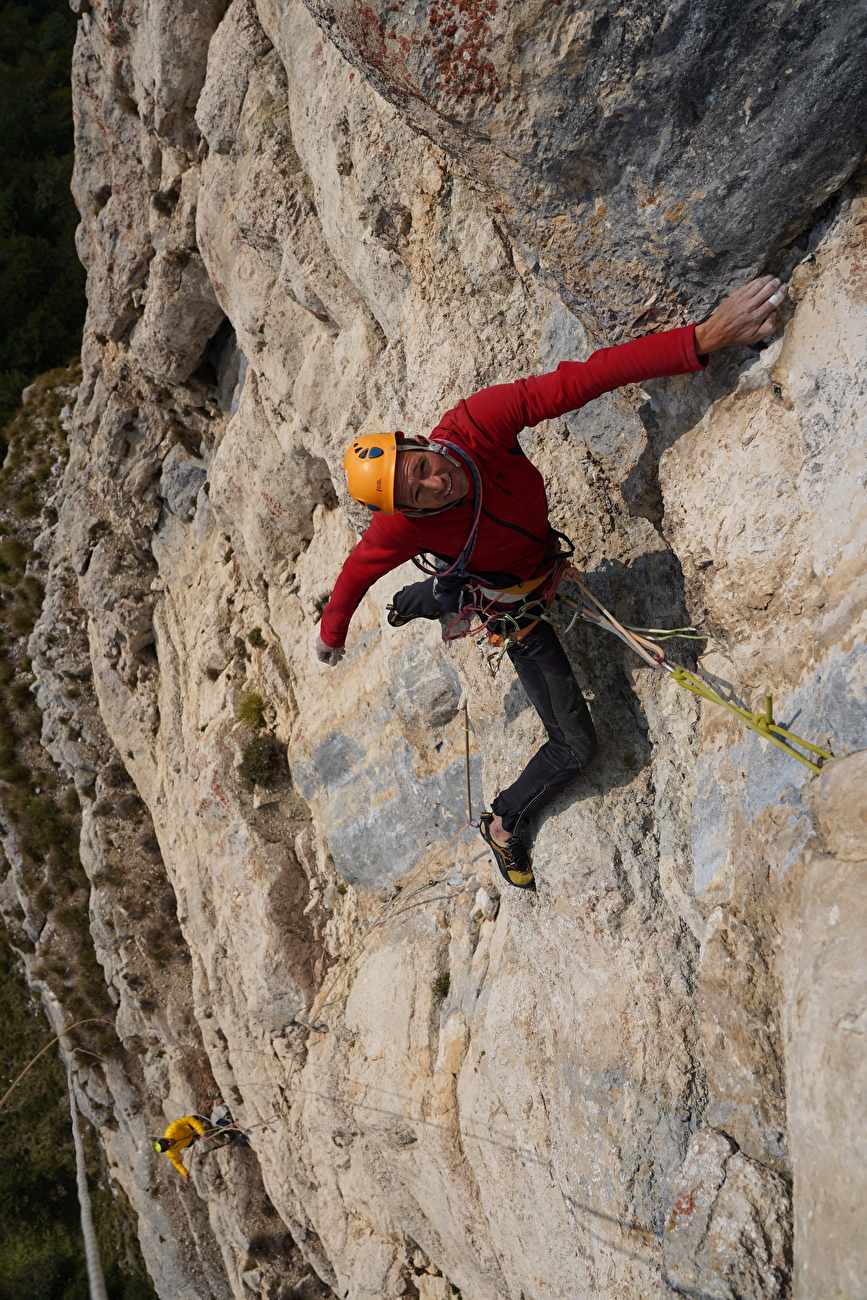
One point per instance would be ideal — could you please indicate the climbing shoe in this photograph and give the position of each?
(415, 601)
(398, 619)
(511, 857)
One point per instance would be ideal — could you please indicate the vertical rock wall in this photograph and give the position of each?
(628, 1084)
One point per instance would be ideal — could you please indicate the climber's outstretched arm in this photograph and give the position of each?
(385, 545)
(503, 410)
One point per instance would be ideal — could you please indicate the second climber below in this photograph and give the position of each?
(468, 497)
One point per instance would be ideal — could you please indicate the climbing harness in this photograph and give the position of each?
(508, 608)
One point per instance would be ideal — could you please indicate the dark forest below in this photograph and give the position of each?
(42, 300)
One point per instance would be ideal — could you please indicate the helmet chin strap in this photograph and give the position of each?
(406, 444)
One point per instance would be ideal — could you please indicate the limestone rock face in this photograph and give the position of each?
(299, 224)
(664, 150)
(727, 1235)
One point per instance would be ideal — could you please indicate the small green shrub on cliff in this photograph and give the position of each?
(115, 774)
(21, 695)
(13, 555)
(26, 506)
(262, 762)
(11, 770)
(252, 710)
(21, 620)
(47, 828)
(255, 637)
(442, 984)
(74, 917)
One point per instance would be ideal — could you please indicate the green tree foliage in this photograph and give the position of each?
(263, 762)
(41, 1251)
(42, 300)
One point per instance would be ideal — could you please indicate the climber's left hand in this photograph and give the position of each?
(747, 316)
(327, 654)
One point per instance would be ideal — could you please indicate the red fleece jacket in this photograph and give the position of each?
(487, 425)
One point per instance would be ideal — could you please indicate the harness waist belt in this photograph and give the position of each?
(510, 595)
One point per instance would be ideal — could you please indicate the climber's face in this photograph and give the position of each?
(425, 480)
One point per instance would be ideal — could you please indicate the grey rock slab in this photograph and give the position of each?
(662, 151)
(738, 783)
(234, 49)
(181, 480)
(727, 1234)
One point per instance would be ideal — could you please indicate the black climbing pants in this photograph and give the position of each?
(546, 675)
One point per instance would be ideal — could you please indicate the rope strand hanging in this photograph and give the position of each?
(761, 723)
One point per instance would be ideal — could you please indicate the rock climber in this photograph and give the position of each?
(468, 497)
(180, 1134)
(223, 1123)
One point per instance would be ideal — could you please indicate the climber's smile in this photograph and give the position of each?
(425, 480)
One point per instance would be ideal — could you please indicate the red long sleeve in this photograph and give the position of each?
(503, 410)
(377, 553)
(513, 529)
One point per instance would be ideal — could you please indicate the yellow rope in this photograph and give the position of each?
(762, 724)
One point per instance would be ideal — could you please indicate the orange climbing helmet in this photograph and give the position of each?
(369, 464)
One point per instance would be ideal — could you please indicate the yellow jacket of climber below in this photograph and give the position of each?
(177, 1137)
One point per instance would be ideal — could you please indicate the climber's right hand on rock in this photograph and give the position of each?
(327, 654)
(747, 316)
